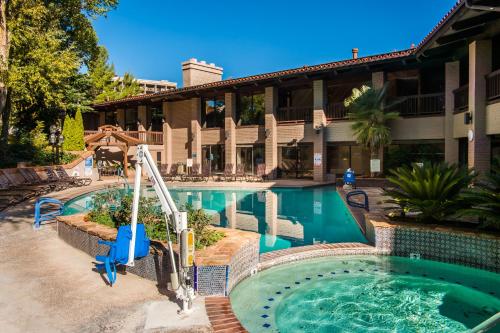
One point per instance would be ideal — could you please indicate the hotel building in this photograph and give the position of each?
(294, 121)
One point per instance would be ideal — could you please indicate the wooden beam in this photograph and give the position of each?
(476, 20)
(462, 34)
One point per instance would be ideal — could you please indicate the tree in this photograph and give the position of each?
(73, 133)
(101, 75)
(128, 87)
(43, 45)
(366, 108)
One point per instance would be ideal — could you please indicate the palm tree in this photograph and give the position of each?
(366, 108)
(484, 198)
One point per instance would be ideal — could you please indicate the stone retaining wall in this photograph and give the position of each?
(440, 243)
(218, 268)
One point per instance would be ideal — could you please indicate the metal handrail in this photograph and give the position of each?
(486, 325)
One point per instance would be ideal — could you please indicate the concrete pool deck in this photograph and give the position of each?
(48, 286)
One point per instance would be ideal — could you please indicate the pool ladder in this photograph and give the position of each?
(51, 209)
(351, 203)
(486, 325)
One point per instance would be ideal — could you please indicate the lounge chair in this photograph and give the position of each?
(228, 172)
(54, 178)
(261, 173)
(7, 188)
(78, 181)
(240, 172)
(118, 250)
(32, 178)
(173, 174)
(205, 172)
(194, 175)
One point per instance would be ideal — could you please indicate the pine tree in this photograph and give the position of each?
(101, 75)
(78, 131)
(68, 133)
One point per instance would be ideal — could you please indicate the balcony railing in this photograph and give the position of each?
(149, 137)
(336, 111)
(461, 99)
(420, 105)
(294, 114)
(493, 85)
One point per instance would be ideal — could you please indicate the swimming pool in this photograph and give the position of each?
(366, 294)
(284, 217)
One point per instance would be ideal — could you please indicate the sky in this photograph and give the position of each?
(150, 38)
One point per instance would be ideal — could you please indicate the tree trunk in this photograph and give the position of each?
(4, 62)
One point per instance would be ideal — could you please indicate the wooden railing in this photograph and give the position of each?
(149, 137)
(336, 111)
(493, 85)
(461, 99)
(419, 105)
(294, 114)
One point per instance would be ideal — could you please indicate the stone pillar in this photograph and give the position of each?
(230, 129)
(142, 118)
(378, 80)
(271, 218)
(102, 119)
(120, 118)
(231, 210)
(271, 141)
(319, 126)
(452, 82)
(167, 134)
(195, 132)
(479, 65)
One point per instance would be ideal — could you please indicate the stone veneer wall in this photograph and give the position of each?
(209, 279)
(438, 243)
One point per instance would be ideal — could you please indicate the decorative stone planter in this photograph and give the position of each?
(472, 248)
(217, 269)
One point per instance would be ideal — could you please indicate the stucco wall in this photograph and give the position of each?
(493, 118)
(419, 128)
(459, 128)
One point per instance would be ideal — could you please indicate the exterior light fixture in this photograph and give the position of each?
(318, 129)
(267, 133)
(226, 135)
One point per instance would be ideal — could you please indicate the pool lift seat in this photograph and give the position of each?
(119, 250)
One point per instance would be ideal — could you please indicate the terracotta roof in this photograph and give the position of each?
(272, 75)
(459, 4)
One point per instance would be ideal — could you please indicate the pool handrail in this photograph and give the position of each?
(486, 325)
(56, 208)
(355, 204)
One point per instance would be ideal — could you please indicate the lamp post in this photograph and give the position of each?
(56, 140)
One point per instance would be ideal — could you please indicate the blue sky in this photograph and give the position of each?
(150, 38)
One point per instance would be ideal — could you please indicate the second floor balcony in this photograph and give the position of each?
(148, 137)
(294, 114)
(419, 105)
(493, 85)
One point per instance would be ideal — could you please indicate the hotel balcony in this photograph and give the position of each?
(148, 137)
(493, 85)
(461, 98)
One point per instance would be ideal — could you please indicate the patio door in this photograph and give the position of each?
(250, 157)
(214, 156)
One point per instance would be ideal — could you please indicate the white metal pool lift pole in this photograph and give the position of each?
(184, 290)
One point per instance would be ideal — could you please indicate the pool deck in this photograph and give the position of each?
(51, 287)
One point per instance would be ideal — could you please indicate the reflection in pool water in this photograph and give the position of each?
(284, 217)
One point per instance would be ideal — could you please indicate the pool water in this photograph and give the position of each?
(366, 294)
(284, 217)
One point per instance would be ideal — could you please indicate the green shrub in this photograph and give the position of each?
(113, 208)
(484, 199)
(73, 132)
(432, 191)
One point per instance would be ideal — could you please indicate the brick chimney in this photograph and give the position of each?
(355, 53)
(196, 72)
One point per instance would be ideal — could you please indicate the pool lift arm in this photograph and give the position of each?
(180, 280)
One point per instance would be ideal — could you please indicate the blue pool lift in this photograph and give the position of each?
(46, 209)
(119, 250)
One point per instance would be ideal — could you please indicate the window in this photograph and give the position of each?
(131, 119)
(340, 157)
(250, 109)
(406, 153)
(155, 118)
(250, 157)
(212, 112)
(214, 155)
(295, 161)
(110, 118)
